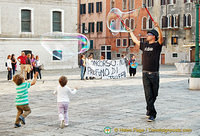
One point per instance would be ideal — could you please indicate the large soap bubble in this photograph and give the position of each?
(118, 21)
(57, 41)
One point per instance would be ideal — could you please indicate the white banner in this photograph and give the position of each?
(106, 69)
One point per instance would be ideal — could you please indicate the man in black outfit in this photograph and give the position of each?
(151, 57)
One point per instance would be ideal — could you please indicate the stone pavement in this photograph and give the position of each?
(117, 104)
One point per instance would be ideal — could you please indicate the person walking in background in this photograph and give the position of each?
(22, 61)
(151, 57)
(33, 65)
(9, 67)
(62, 92)
(37, 66)
(14, 63)
(82, 66)
(132, 66)
(28, 67)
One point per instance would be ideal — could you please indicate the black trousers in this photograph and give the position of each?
(32, 72)
(132, 71)
(151, 86)
(9, 74)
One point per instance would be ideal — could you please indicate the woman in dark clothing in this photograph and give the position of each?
(13, 62)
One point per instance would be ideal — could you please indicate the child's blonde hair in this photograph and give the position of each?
(18, 79)
(63, 81)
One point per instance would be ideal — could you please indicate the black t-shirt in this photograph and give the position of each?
(151, 56)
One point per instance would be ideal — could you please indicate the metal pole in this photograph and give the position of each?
(196, 69)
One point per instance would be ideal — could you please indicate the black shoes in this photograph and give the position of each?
(17, 125)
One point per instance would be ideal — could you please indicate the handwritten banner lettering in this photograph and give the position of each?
(106, 69)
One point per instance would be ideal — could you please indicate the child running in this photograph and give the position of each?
(22, 103)
(63, 100)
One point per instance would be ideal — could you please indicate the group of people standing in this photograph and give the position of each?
(83, 65)
(29, 64)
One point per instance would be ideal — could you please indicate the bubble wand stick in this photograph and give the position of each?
(148, 12)
(122, 21)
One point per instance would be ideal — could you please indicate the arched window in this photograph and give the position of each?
(124, 4)
(127, 22)
(170, 21)
(144, 23)
(150, 24)
(132, 23)
(189, 20)
(112, 4)
(150, 3)
(164, 21)
(122, 25)
(176, 21)
(131, 4)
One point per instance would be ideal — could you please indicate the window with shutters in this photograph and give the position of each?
(90, 8)
(132, 23)
(82, 9)
(98, 7)
(131, 4)
(124, 42)
(91, 27)
(57, 21)
(25, 20)
(124, 4)
(144, 23)
(99, 26)
(162, 2)
(164, 22)
(118, 42)
(91, 44)
(150, 3)
(83, 28)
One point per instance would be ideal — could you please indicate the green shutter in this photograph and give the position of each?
(91, 44)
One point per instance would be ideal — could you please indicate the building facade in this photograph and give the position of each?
(93, 18)
(23, 23)
(177, 21)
